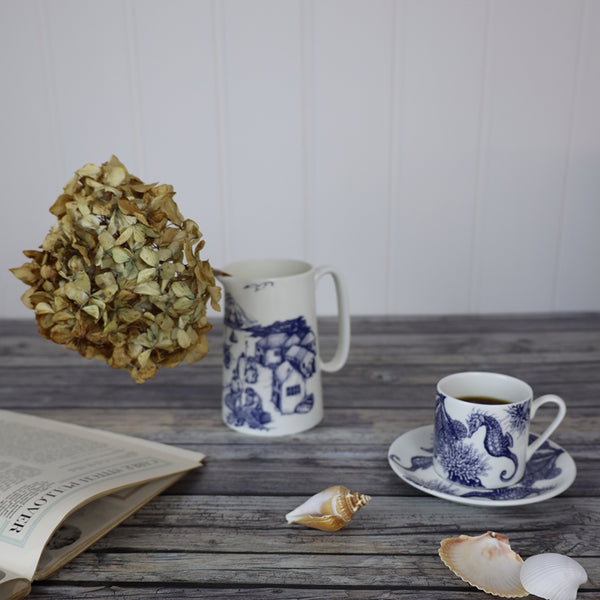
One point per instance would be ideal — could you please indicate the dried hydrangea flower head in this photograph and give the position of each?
(119, 276)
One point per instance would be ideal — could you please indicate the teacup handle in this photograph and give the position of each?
(562, 411)
(343, 343)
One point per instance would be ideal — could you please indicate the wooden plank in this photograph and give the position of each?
(387, 525)
(43, 394)
(56, 590)
(402, 324)
(425, 371)
(273, 477)
(304, 465)
(389, 348)
(570, 325)
(361, 426)
(257, 470)
(24, 337)
(549, 355)
(337, 570)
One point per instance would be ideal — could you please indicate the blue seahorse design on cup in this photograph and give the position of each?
(496, 442)
(462, 463)
(539, 473)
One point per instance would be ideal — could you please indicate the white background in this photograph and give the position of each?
(445, 155)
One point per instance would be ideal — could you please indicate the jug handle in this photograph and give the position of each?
(343, 344)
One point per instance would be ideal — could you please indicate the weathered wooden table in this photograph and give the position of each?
(221, 531)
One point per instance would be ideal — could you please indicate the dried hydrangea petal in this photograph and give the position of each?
(119, 276)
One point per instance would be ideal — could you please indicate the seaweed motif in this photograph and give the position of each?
(463, 464)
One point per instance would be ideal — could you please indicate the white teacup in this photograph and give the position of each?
(271, 360)
(481, 432)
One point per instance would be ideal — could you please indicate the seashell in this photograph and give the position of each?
(328, 510)
(486, 562)
(552, 576)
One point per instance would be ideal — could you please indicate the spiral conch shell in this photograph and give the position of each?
(486, 562)
(328, 510)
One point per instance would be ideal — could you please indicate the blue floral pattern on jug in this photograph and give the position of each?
(463, 463)
(269, 367)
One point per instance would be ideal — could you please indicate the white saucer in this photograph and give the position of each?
(550, 471)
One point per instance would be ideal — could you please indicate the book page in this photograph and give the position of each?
(93, 520)
(13, 586)
(48, 469)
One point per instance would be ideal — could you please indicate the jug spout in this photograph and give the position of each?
(223, 278)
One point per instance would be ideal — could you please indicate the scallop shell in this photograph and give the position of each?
(328, 510)
(486, 562)
(552, 576)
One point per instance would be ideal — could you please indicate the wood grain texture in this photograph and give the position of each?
(221, 531)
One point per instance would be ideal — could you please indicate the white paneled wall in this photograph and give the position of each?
(445, 154)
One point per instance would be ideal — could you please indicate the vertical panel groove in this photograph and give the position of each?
(135, 95)
(394, 169)
(47, 60)
(479, 201)
(307, 120)
(577, 74)
(364, 131)
(222, 129)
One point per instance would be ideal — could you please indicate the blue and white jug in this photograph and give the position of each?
(271, 361)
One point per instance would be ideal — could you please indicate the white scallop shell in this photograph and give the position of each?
(328, 510)
(552, 576)
(486, 562)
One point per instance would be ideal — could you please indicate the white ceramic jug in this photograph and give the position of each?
(271, 361)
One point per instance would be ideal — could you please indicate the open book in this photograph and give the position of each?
(62, 487)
